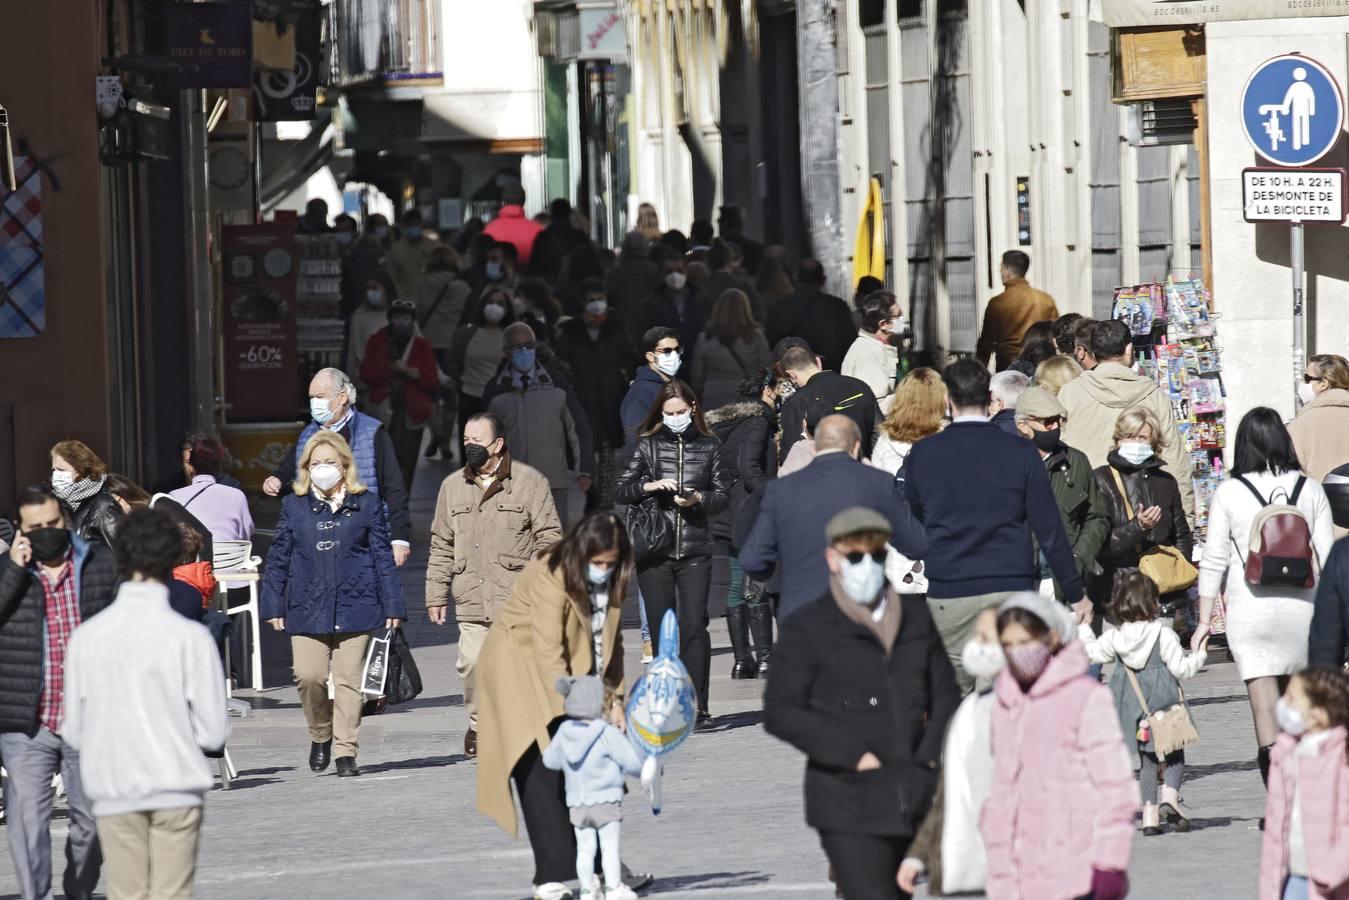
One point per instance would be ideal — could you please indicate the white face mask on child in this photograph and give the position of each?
(982, 660)
(1291, 721)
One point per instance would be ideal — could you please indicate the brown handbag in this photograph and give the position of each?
(1165, 565)
(1172, 728)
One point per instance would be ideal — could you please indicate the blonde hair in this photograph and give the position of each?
(1332, 367)
(335, 441)
(1132, 420)
(1055, 372)
(917, 408)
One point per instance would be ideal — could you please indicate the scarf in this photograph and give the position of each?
(80, 490)
(886, 630)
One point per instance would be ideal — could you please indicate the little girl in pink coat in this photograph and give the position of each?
(1059, 821)
(1306, 847)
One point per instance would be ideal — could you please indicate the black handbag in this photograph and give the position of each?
(649, 530)
(404, 681)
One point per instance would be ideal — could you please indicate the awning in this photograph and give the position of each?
(1145, 13)
(288, 164)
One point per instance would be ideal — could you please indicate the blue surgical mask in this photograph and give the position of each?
(318, 408)
(862, 580)
(523, 359)
(345, 238)
(680, 423)
(412, 232)
(669, 363)
(375, 297)
(495, 270)
(596, 575)
(1135, 452)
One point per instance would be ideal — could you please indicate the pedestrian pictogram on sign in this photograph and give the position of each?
(1292, 110)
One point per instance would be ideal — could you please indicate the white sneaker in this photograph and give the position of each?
(552, 890)
(622, 892)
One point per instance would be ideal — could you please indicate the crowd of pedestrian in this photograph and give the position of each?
(950, 559)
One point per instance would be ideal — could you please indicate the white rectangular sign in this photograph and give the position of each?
(1143, 13)
(1293, 195)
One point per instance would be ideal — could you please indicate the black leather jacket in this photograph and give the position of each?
(99, 517)
(1148, 485)
(691, 460)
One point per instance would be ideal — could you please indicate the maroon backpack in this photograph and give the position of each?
(1280, 551)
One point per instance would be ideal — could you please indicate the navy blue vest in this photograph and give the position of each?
(362, 447)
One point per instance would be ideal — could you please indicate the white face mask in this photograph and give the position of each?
(62, 479)
(1135, 452)
(319, 410)
(675, 281)
(1289, 719)
(325, 476)
(597, 308)
(1305, 393)
(899, 325)
(598, 576)
(678, 423)
(982, 660)
(863, 580)
(669, 363)
(494, 312)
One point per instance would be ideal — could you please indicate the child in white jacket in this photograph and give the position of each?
(1147, 646)
(593, 757)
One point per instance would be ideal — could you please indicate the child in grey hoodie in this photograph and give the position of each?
(593, 757)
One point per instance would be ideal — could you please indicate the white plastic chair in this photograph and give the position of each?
(236, 567)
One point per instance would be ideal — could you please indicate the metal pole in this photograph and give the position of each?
(196, 238)
(1299, 317)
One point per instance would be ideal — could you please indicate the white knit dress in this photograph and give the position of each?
(1267, 628)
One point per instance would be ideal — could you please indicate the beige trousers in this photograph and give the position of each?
(472, 635)
(340, 718)
(954, 618)
(150, 855)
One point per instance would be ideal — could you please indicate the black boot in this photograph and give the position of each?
(737, 623)
(320, 753)
(761, 627)
(1262, 759)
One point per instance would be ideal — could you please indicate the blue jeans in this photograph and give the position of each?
(641, 608)
(1296, 888)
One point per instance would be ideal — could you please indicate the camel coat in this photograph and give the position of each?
(541, 635)
(1321, 433)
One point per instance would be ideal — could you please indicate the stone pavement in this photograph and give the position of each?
(732, 826)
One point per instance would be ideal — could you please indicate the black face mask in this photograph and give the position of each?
(49, 544)
(475, 455)
(1048, 441)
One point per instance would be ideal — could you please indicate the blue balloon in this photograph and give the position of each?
(662, 707)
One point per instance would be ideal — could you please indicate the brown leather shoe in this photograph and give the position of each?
(471, 744)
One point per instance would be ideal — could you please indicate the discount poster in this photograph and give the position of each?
(258, 282)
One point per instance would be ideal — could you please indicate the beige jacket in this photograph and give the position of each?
(875, 362)
(481, 540)
(1006, 319)
(1321, 433)
(1095, 400)
(542, 634)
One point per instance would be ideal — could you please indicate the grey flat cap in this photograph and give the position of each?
(1040, 403)
(856, 520)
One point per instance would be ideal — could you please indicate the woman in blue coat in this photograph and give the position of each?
(330, 581)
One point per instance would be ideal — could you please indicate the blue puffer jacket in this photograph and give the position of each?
(332, 572)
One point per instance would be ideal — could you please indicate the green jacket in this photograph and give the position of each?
(1086, 518)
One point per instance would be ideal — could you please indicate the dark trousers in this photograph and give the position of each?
(682, 585)
(407, 447)
(543, 803)
(866, 865)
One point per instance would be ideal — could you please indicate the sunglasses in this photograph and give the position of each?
(857, 556)
(1308, 379)
(666, 351)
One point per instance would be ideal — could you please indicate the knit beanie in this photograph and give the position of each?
(585, 696)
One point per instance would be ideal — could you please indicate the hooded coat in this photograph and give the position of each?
(593, 757)
(1321, 778)
(1064, 795)
(1095, 400)
(1321, 433)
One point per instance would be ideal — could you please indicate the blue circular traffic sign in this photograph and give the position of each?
(1292, 110)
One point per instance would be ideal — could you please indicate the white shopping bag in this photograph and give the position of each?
(376, 667)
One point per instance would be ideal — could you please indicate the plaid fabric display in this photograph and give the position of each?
(22, 299)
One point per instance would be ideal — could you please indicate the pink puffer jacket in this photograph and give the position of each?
(1323, 778)
(1064, 794)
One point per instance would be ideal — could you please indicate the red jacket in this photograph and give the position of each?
(511, 227)
(377, 372)
(1322, 779)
